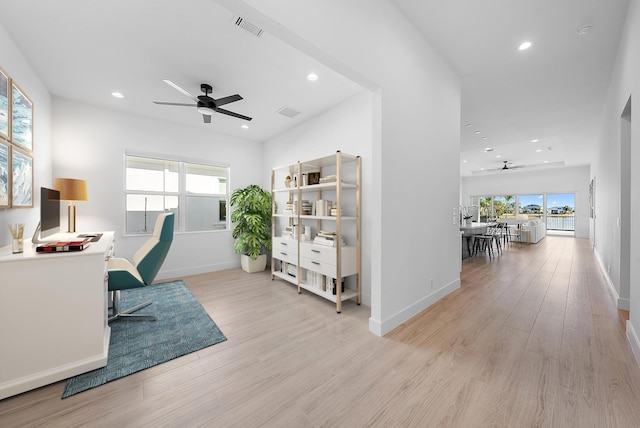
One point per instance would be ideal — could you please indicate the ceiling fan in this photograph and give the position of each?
(506, 167)
(205, 104)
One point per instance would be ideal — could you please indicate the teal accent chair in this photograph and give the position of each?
(147, 261)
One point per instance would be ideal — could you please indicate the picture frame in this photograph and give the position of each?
(21, 118)
(313, 178)
(5, 99)
(21, 179)
(5, 176)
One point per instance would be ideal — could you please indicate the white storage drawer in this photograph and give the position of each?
(324, 268)
(289, 246)
(318, 252)
(324, 261)
(285, 256)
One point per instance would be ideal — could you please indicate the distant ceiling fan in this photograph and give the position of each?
(205, 104)
(506, 167)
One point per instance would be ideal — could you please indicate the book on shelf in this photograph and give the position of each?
(64, 246)
(327, 241)
(329, 179)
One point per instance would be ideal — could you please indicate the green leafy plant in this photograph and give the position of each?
(251, 214)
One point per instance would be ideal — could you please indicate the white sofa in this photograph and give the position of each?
(537, 230)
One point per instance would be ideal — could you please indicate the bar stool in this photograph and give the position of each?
(484, 242)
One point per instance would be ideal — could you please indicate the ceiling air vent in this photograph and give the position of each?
(289, 112)
(247, 26)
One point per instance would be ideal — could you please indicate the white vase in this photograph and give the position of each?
(251, 266)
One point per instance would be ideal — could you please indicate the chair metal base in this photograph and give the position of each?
(127, 313)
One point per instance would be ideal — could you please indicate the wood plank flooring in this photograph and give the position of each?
(532, 338)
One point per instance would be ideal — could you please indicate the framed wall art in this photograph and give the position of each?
(4, 105)
(313, 178)
(21, 118)
(4, 175)
(21, 179)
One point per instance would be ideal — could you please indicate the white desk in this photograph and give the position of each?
(53, 314)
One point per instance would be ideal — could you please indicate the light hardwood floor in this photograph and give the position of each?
(532, 338)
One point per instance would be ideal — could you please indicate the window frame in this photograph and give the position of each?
(182, 194)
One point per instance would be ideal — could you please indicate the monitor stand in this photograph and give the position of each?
(35, 239)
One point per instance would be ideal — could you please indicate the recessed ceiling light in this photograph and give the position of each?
(538, 151)
(524, 46)
(535, 140)
(477, 132)
(484, 138)
(117, 94)
(244, 126)
(464, 161)
(468, 125)
(584, 30)
(488, 149)
(546, 161)
(498, 156)
(312, 77)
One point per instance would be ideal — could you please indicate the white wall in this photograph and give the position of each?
(606, 170)
(89, 143)
(346, 127)
(17, 67)
(560, 180)
(415, 146)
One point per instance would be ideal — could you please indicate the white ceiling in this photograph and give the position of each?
(84, 50)
(553, 92)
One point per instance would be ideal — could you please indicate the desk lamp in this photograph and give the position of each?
(71, 190)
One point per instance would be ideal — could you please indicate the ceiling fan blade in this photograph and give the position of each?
(230, 113)
(174, 104)
(206, 118)
(227, 100)
(179, 89)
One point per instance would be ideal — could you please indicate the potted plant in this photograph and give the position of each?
(251, 214)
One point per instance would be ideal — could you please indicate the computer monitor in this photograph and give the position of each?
(49, 214)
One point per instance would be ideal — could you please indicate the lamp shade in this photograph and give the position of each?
(520, 217)
(71, 189)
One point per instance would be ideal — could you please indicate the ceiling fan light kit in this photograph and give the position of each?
(205, 104)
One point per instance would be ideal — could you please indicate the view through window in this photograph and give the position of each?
(560, 211)
(556, 209)
(196, 193)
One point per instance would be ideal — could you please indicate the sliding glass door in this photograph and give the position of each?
(560, 212)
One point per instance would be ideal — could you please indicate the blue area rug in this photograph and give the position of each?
(182, 327)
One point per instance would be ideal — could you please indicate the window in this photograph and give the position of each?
(196, 192)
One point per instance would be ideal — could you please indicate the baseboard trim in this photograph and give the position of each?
(195, 270)
(632, 337)
(380, 328)
(612, 287)
(624, 304)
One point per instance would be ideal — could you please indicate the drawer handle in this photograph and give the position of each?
(315, 263)
(283, 243)
(284, 254)
(316, 251)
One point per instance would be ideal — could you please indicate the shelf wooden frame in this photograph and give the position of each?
(339, 161)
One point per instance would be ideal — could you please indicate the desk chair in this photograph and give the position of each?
(146, 264)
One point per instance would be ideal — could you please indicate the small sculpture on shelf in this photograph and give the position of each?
(287, 181)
